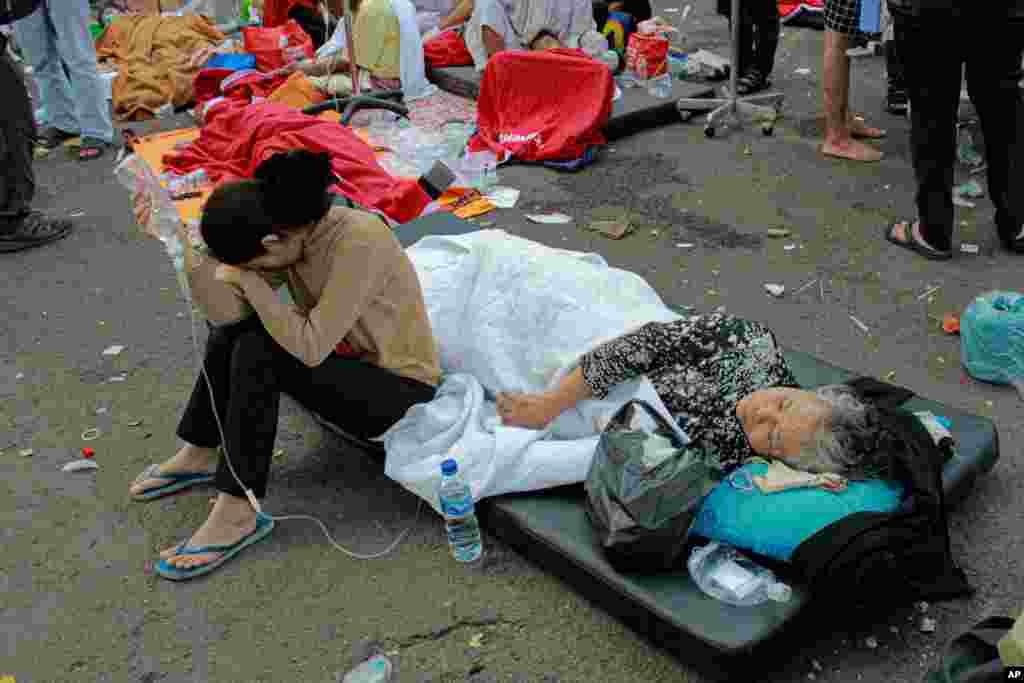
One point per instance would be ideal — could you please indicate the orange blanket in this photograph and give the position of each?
(153, 55)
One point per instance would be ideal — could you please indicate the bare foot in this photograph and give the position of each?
(230, 520)
(860, 129)
(852, 150)
(532, 411)
(189, 459)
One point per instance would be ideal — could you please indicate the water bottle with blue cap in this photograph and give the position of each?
(456, 500)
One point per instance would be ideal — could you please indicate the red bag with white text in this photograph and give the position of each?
(278, 46)
(550, 105)
(647, 55)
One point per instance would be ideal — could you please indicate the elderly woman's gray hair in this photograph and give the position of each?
(847, 439)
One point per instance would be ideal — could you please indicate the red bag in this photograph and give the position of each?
(447, 49)
(278, 46)
(647, 55)
(550, 105)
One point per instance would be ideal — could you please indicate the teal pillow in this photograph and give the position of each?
(774, 524)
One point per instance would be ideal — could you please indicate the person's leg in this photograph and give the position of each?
(933, 80)
(20, 227)
(993, 65)
(896, 91)
(37, 39)
(769, 26)
(74, 43)
(841, 21)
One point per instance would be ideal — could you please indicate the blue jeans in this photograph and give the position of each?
(59, 32)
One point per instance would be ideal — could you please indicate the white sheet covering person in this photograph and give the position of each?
(519, 22)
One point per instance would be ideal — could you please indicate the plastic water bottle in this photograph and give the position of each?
(724, 574)
(376, 669)
(660, 86)
(459, 517)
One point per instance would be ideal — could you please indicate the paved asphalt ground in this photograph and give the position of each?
(80, 604)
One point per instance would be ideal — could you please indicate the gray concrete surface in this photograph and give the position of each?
(80, 602)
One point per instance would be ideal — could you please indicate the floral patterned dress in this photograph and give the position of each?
(700, 366)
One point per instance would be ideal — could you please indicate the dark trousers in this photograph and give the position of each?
(894, 67)
(248, 371)
(936, 48)
(17, 132)
(759, 33)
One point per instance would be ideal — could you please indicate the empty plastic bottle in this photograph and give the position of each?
(376, 669)
(460, 521)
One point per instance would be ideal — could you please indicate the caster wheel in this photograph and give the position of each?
(709, 131)
(768, 131)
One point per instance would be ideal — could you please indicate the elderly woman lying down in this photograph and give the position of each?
(726, 381)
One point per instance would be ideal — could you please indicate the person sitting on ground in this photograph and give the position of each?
(356, 348)
(759, 39)
(729, 387)
(379, 41)
(20, 226)
(497, 25)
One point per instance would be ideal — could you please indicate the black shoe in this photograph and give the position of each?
(1014, 243)
(897, 102)
(34, 230)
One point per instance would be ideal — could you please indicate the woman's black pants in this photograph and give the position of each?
(249, 371)
(935, 49)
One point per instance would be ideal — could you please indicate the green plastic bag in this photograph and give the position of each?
(643, 492)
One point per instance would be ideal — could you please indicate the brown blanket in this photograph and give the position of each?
(153, 56)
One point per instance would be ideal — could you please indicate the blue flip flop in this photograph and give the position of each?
(264, 525)
(178, 481)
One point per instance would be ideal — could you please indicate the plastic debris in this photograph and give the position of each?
(88, 453)
(117, 378)
(91, 434)
(477, 641)
(890, 376)
(968, 248)
(789, 247)
(79, 465)
(929, 292)
(503, 197)
(26, 452)
(951, 323)
(802, 71)
(806, 286)
(775, 290)
(135, 423)
(376, 669)
(686, 245)
(816, 665)
(966, 151)
(551, 218)
(616, 230)
(928, 625)
(20, 375)
(777, 232)
(962, 203)
(922, 606)
(871, 642)
(76, 214)
(858, 323)
(114, 350)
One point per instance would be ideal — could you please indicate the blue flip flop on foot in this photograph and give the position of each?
(264, 525)
(177, 481)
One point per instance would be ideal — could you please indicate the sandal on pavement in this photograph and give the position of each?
(52, 138)
(912, 243)
(34, 230)
(860, 129)
(264, 525)
(91, 149)
(176, 481)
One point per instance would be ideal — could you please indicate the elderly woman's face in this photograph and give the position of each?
(779, 422)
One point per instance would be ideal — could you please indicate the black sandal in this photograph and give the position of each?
(52, 138)
(34, 230)
(913, 244)
(751, 82)
(897, 102)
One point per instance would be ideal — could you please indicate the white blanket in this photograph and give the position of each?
(510, 314)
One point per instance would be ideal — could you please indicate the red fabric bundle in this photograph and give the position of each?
(447, 49)
(275, 47)
(239, 136)
(275, 12)
(549, 105)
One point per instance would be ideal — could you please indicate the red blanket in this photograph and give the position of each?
(447, 49)
(543, 106)
(239, 136)
(790, 9)
(275, 12)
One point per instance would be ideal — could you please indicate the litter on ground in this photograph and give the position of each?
(548, 218)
